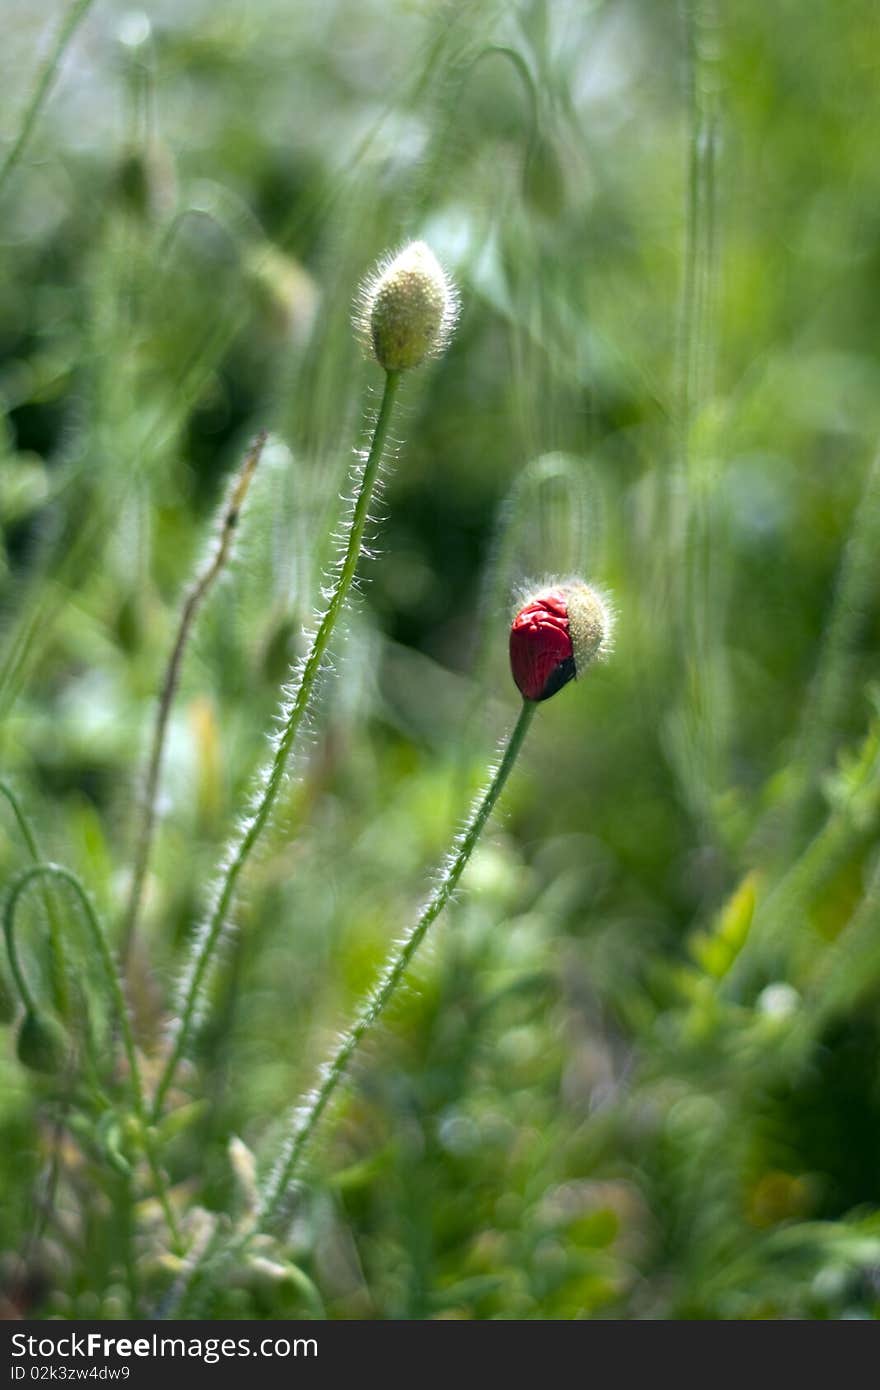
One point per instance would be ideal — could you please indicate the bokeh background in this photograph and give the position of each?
(635, 1073)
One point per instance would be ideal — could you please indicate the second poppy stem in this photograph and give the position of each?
(395, 969)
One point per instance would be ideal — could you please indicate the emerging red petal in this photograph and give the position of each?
(541, 656)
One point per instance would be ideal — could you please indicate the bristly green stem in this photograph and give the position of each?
(119, 1005)
(75, 14)
(193, 602)
(395, 969)
(219, 1253)
(206, 942)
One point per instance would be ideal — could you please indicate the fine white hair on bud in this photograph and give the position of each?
(591, 623)
(406, 309)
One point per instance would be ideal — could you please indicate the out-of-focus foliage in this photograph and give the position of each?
(636, 1071)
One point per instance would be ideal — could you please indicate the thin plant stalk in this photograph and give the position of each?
(703, 571)
(209, 936)
(395, 970)
(120, 1007)
(76, 13)
(193, 602)
(306, 1120)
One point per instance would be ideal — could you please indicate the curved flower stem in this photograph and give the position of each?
(219, 1254)
(75, 14)
(208, 937)
(119, 1004)
(59, 976)
(192, 604)
(395, 969)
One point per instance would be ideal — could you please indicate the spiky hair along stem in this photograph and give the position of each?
(305, 1119)
(588, 624)
(209, 935)
(407, 311)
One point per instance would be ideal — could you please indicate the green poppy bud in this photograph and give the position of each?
(406, 310)
(42, 1043)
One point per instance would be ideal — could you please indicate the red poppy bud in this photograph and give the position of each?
(555, 636)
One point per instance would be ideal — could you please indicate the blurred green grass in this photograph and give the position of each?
(637, 1072)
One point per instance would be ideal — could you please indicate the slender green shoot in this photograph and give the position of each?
(307, 1118)
(76, 13)
(230, 515)
(292, 716)
(705, 700)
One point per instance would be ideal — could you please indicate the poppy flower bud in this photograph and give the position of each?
(42, 1043)
(407, 309)
(555, 636)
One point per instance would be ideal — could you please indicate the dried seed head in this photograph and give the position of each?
(407, 309)
(555, 635)
(42, 1043)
